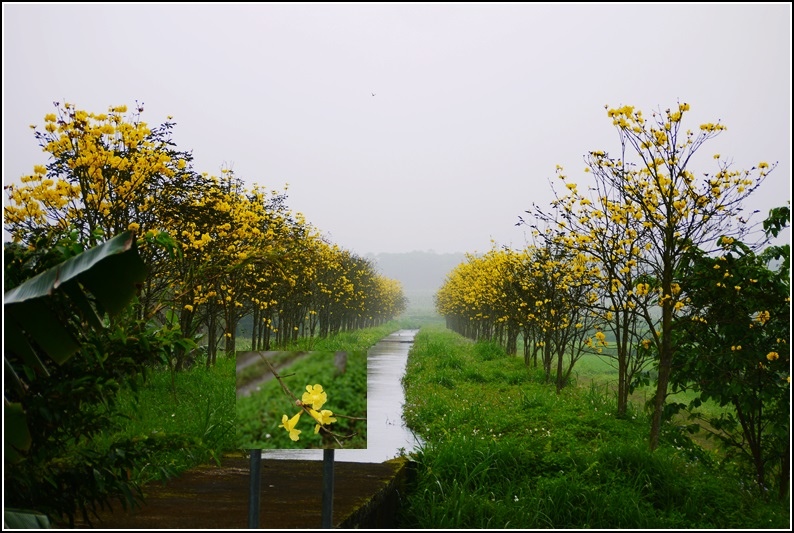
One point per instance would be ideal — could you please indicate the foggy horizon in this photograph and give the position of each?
(407, 127)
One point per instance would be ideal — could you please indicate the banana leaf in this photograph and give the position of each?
(99, 281)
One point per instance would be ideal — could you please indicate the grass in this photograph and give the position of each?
(192, 413)
(194, 407)
(601, 372)
(503, 450)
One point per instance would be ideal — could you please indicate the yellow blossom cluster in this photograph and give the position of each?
(312, 402)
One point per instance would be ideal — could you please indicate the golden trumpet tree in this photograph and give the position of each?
(107, 173)
(565, 327)
(621, 294)
(649, 195)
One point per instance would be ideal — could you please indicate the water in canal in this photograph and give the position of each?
(386, 432)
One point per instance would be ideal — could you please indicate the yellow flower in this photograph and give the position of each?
(323, 418)
(314, 396)
(772, 356)
(289, 425)
(189, 307)
(134, 226)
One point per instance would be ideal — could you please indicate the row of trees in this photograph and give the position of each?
(546, 296)
(217, 251)
(657, 258)
(210, 251)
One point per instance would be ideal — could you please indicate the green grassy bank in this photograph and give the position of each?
(503, 450)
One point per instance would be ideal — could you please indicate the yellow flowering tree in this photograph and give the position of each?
(280, 279)
(563, 323)
(469, 296)
(449, 300)
(106, 174)
(607, 232)
(650, 181)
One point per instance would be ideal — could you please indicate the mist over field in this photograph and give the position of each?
(420, 273)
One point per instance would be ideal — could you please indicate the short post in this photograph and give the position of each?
(254, 489)
(328, 488)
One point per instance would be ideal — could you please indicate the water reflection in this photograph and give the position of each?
(386, 432)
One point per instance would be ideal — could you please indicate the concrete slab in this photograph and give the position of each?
(366, 495)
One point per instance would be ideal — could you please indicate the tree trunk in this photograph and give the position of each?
(665, 367)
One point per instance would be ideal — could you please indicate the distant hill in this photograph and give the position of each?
(417, 271)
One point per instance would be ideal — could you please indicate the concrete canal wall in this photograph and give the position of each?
(381, 509)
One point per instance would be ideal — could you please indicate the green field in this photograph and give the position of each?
(503, 450)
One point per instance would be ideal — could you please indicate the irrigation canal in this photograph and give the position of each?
(366, 482)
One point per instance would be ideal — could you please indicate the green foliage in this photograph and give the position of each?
(51, 308)
(73, 408)
(72, 313)
(489, 350)
(734, 349)
(509, 452)
(195, 407)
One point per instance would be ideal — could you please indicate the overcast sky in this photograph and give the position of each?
(474, 104)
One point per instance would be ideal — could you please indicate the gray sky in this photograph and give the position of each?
(474, 106)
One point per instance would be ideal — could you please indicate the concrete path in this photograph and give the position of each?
(366, 495)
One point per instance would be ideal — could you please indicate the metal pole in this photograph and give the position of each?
(328, 488)
(253, 490)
